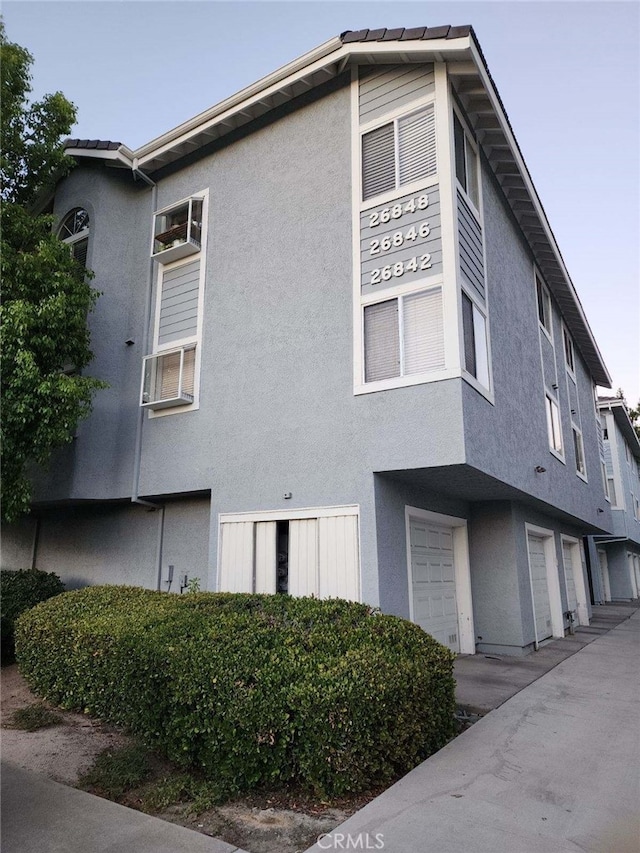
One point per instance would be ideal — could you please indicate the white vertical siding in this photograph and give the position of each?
(265, 556)
(236, 557)
(338, 557)
(303, 556)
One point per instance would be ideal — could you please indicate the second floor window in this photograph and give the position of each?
(404, 336)
(399, 152)
(554, 427)
(75, 232)
(466, 162)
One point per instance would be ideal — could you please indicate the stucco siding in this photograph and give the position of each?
(509, 439)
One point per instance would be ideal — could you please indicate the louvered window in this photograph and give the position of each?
(399, 153)
(404, 336)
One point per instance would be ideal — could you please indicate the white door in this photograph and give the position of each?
(433, 580)
(636, 569)
(569, 569)
(323, 554)
(632, 576)
(539, 586)
(604, 575)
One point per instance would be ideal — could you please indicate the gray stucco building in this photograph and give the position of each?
(616, 557)
(365, 370)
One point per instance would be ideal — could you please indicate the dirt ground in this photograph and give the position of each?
(65, 752)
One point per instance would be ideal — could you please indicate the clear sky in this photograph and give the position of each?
(568, 74)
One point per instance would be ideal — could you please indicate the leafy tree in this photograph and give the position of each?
(46, 293)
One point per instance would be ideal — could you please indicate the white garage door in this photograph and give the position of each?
(433, 580)
(569, 569)
(539, 586)
(604, 574)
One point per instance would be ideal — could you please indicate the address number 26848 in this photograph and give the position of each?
(380, 217)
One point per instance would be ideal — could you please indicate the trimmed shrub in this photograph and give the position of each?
(250, 689)
(19, 591)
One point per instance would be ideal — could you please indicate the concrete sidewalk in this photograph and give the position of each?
(484, 682)
(42, 816)
(555, 769)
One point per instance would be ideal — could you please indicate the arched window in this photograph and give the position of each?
(75, 231)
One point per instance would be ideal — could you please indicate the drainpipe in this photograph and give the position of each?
(137, 454)
(36, 539)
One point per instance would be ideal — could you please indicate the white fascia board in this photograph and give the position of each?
(306, 64)
(432, 50)
(622, 419)
(331, 52)
(524, 172)
(122, 156)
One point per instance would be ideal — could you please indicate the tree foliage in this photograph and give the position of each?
(46, 293)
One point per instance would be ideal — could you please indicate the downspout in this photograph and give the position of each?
(36, 539)
(137, 453)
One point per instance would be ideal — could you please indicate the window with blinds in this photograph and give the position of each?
(398, 153)
(404, 336)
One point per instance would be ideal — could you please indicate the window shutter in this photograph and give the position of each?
(381, 341)
(378, 161)
(423, 332)
(417, 146)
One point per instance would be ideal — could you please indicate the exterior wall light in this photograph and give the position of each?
(540, 470)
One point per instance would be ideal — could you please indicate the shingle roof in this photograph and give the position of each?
(405, 34)
(97, 144)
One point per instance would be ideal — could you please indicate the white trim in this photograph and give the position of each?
(393, 291)
(405, 381)
(462, 570)
(578, 578)
(475, 209)
(524, 173)
(476, 302)
(581, 474)
(288, 515)
(392, 195)
(162, 269)
(604, 573)
(553, 580)
(392, 115)
(356, 196)
(566, 335)
(448, 229)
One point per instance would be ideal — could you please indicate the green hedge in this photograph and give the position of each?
(20, 590)
(251, 689)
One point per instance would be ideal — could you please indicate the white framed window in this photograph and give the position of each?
(474, 334)
(74, 231)
(569, 352)
(611, 489)
(466, 162)
(177, 230)
(544, 306)
(404, 335)
(399, 152)
(554, 426)
(168, 378)
(170, 373)
(605, 481)
(578, 449)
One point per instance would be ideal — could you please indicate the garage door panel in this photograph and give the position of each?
(433, 580)
(540, 586)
